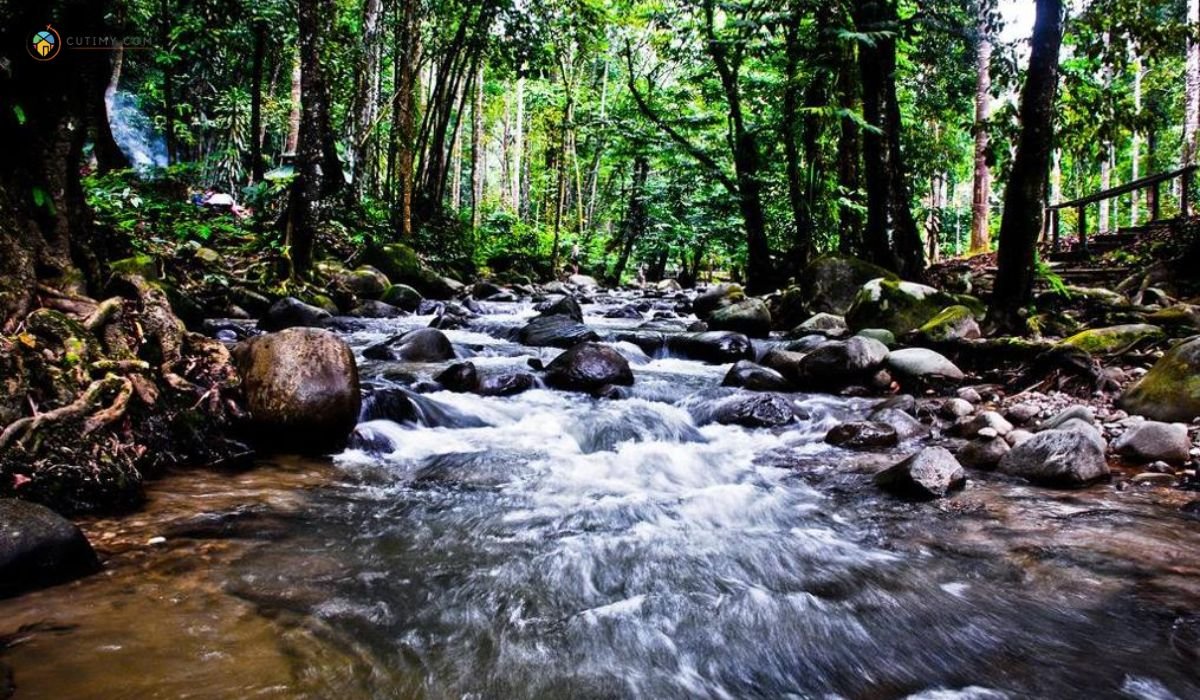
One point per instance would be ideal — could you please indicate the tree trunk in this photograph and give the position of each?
(293, 135)
(256, 157)
(366, 99)
(635, 215)
(518, 149)
(1021, 222)
(478, 154)
(797, 193)
(1135, 146)
(850, 225)
(407, 36)
(1191, 111)
(982, 188)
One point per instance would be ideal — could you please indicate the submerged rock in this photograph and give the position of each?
(400, 405)
(421, 345)
(301, 387)
(40, 548)
(1152, 441)
(507, 384)
(589, 367)
(460, 377)
(1170, 391)
(931, 473)
(714, 347)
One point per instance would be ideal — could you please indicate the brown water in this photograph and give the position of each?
(575, 548)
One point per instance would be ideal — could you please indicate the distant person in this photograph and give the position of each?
(575, 258)
(222, 203)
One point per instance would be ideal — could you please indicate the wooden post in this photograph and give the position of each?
(1083, 228)
(1154, 201)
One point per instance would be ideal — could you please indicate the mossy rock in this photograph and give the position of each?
(975, 304)
(1179, 317)
(207, 256)
(402, 296)
(896, 305)
(143, 266)
(324, 303)
(1115, 339)
(883, 335)
(831, 283)
(402, 266)
(1170, 391)
(367, 282)
(952, 323)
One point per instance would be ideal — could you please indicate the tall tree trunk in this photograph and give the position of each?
(635, 221)
(1135, 146)
(478, 154)
(888, 206)
(1191, 111)
(797, 193)
(260, 47)
(850, 225)
(1105, 183)
(1021, 222)
(108, 154)
(982, 188)
(518, 149)
(366, 99)
(293, 136)
(407, 35)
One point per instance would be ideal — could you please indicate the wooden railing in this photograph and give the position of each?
(1152, 183)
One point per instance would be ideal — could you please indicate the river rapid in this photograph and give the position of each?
(553, 545)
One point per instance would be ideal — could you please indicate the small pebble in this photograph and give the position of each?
(156, 540)
(969, 394)
(988, 433)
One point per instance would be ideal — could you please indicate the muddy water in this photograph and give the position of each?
(579, 548)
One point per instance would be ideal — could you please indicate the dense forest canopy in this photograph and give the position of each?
(633, 139)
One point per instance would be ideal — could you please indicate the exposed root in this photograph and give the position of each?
(103, 314)
(85, 404)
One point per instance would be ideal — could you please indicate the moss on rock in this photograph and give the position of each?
(952, 323)
(896, 305)
(1170, 391)
(1113, 340)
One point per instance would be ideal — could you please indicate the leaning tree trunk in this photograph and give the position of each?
(1025, 197)
(982, 188)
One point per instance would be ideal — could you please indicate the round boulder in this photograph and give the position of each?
(301, 386)
(750, 317)
(589, 367)
(39, 548)
(1170, 391)
(931, 473)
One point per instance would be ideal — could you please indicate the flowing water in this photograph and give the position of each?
(551, 545)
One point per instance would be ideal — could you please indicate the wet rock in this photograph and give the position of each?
(400, 405)
(749, 317)
(1066, 457)
(753, 377)
(421, 345)
(507, 384)
(952, 323)
(290, 312)
(988, 420)
(955, 408)
(604, 428)
(370, 439)
(589, 367)
(822, 323)
(837, 363)
(830, 283)
(862, 435)
(807, 343)
(669, 286)
(1149, 441)
(567, 306)
(883, 335)
(931, 473)
(1114, 340)
(460, 376)
(627, 311)
(786, 363)
(1170, 391)
(1074, 413)
(583, 281)
(1154, 479)
(376, 309)
(969, 394)
(301, 388)
(714, 347)
(486, 290)
(715, 298)
(923, 365)
(984, 453)
(39, 548)
(906, 426)
(896, 306)
(557, 331)
(755, 411)
(402, 296)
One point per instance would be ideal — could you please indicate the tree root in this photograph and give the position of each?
(86, 403)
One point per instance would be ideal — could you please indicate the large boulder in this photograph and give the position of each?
(301, 386)
(421, 345)
(403, 296)
(1152, 441)
(896, 306)
(952, 323)
(402, 266)
(38, 548)
(1115, 339)
(589, 367)
(717, 297)
(1170, 391)
(290, 312)
(837, 363)
(750, 317)
(557, 331)
(931, 473)
(1066, 457)
(830, 283)
(367, 282)
(566, 306)
(714, 347)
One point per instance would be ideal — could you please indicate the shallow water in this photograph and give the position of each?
(581, 548)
